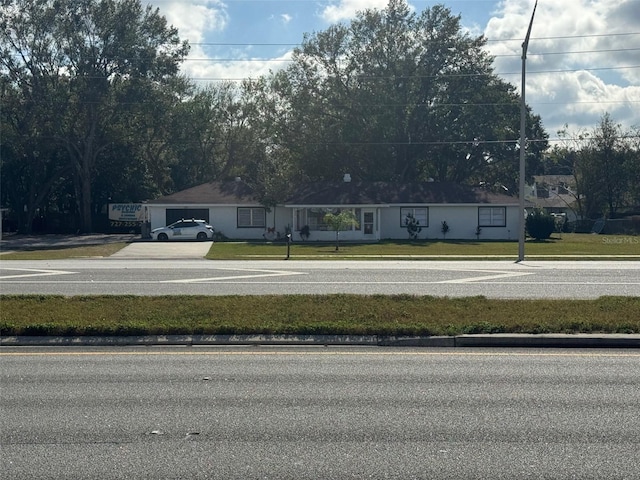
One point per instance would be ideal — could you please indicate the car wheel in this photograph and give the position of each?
(163, 237)
(201, 236)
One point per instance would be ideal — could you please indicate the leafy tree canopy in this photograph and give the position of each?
(396, 95)
(82, 66)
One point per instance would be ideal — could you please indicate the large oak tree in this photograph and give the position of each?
(79, 58)
(396, 95)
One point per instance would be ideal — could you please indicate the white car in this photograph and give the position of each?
(184, 230)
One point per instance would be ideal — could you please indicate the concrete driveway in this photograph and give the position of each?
(137, 248)
(175, 250)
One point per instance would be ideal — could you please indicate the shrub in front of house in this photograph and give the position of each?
(540, 225)
(413, 226)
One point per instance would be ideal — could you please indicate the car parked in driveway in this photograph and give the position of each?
(184, 230)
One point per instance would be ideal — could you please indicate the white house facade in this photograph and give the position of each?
(382, 210)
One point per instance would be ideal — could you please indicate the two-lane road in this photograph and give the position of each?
(319, 413)
(493, 279)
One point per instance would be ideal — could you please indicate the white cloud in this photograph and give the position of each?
(346, 9)
(283, 18)
(194, 19)
(581, 61)
(583, 52)
(580, 99)
(204, 71)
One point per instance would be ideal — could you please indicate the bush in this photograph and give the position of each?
(540, 225)
(413, 226)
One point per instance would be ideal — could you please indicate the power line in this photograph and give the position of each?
(562, 37)
(432, 143)
(409, 77)
(259, 44)
(452, 75)
(387, 105)
(569, 52)
(289, 60)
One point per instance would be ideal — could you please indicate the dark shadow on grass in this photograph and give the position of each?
(544, 240)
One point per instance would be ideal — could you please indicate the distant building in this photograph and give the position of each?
(555, 194)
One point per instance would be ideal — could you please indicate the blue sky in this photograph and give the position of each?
(583, 60)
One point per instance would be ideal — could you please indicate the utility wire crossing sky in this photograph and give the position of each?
(583, 58)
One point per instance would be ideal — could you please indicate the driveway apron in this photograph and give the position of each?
(176, 250)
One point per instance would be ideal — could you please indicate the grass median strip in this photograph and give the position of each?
(401, 315)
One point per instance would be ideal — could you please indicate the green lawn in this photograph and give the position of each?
(584, 246)
(565, 245)
(332, 314)
(399, 315)
(85, 251)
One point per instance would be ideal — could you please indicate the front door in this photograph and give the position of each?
(368, 223)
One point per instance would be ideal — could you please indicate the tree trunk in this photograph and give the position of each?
(85, 204)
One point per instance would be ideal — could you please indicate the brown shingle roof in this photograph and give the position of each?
(212, 193)
(386, 193)
(341, 193)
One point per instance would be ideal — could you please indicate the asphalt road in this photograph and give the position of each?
(310, 413)
(493, 279)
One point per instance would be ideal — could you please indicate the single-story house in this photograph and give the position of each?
(555, 194)
(381, 208)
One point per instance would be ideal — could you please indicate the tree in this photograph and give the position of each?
(83, 55)
(399, 96)
(270, 169)
(341, 221)
(539, 224)
(444, 228)
(632, 165)
(600, 169)
(151, 131)
(32, 164)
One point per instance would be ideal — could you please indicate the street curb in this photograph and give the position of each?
(460, 341)
(550, 340)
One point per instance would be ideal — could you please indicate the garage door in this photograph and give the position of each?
(175, 214)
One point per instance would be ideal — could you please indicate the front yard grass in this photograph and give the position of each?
(560, 245)
(85, 251)
(402, 315)
(566, 245)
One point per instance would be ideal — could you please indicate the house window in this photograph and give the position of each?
(314, 217)
(420, 214)
(254, 217)
(492, 216)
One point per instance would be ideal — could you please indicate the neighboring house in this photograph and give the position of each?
(380, 207)
(555, 194)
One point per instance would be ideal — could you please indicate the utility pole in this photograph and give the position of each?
(523, 140)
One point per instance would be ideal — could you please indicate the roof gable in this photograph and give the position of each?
(212, 193)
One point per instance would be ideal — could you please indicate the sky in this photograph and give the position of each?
(583, 58)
